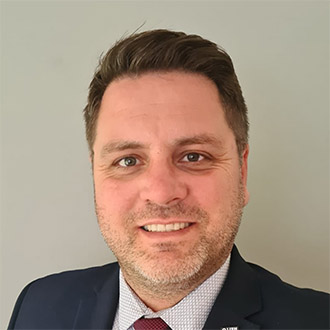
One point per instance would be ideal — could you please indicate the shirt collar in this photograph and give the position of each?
(190, 313)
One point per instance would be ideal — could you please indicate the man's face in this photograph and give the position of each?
(169, 188)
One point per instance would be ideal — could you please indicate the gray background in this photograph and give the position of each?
(49, 50)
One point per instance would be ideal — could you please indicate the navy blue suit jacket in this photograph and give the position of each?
(251, 298)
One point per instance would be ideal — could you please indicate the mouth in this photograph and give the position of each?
(161, 228)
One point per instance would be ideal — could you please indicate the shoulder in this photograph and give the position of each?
(283, 302)
(79, 281)
(43, 300)
(264, 299)
(273, 286)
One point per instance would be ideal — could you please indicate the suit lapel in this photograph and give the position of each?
(97, 310)
(238, 299)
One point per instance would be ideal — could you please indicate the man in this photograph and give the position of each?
(167, 130)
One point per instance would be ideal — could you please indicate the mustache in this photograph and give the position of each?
(179, 210)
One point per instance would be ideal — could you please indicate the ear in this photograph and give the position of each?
(244, 170)
(91, 160)
(91, 156)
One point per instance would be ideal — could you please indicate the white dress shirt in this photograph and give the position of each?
(188, 314)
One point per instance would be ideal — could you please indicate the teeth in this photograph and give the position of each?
(163, 228)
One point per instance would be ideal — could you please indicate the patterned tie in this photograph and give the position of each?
(151, 324)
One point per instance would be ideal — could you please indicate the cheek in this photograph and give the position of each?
(214, 191)
(113, 197)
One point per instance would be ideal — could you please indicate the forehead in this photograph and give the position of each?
(160, 87)
(160, 106)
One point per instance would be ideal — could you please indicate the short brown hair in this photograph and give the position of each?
(164, 50)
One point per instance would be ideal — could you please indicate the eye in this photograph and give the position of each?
(128, 161)
(193, 157)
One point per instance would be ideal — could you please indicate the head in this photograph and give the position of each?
(167, 130)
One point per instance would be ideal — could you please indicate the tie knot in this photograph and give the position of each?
(150, 324)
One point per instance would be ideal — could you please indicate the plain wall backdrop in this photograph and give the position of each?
(49, 50)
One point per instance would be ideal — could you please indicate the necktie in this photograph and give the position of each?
(150, 324)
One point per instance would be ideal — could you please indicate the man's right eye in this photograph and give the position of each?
(128, 161)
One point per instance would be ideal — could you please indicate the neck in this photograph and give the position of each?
(157, 303)
(161, 297)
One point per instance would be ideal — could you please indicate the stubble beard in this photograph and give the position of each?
(168, 275)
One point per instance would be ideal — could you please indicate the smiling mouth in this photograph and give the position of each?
(160, 228)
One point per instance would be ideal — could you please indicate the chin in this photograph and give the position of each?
(172, 272)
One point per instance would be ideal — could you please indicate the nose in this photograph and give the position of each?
(162, 184)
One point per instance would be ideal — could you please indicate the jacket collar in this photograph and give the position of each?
(239, 298)
(98, 309)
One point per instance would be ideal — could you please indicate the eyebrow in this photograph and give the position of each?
(120, 146)
(116, 146)
(198, 139)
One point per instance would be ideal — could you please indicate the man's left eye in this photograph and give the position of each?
(193, 157)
